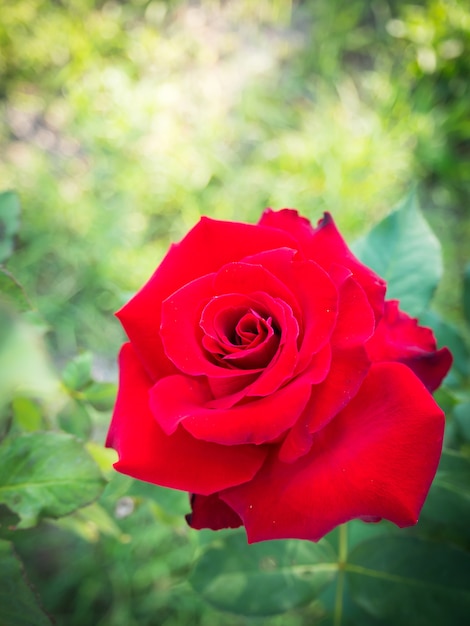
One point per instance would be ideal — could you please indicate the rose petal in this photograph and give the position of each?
(289, 221)
(356, 321)
(225, 315)
(328, 246)
(313, 290)
(182, 400)
(377, 458)
(181, 314)
(181, 332)
(431, 369)
(207, 247)
(178, 461)
(325, 245)
(315, 373)
(346, 375)
(180, 329)
(211, 512)
(400, 338)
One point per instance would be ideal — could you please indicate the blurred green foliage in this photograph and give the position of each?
(121, 122)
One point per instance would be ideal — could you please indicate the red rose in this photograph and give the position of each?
(262, 376)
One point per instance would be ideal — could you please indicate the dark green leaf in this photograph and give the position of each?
(77, 373)
(446, 511)
(406, 580)
(46, 474)
(264, 578)
(9, 222)
(403, 250)
(101, 396)
(461, 416)
(8, 522)
(18, 603)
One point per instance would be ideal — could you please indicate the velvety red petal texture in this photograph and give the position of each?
(183, 400)
(356, 321)
(315, 293)
(211, 512)
(377, 458)
(325, 245)
(289, 221)
(182, 334)
(178, 461)
(400, 338)
(267, 376)
(205, 249)
(350, 367)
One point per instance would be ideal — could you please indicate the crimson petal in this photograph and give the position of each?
(208, 246)
(325, 245)
(345, 377)
(182, 400)
(211, 512)
(314, 291)
(178, 461)
(400, 338)
(356, 320)
(376, 459)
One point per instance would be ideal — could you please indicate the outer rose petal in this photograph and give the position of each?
(178, 461)
(291, 222)
(208, 246)
(400, 338)
(377, 458)
(182, 400)
(325, 245)
(211, 512)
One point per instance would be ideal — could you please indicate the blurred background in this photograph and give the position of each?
(122, 122)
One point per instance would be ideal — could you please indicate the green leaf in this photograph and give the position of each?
(404, 250)
(264, 578)
(101, 396)
(18, 603)
(461, 416)
(12, 292)
(104, 458)
(172, 500)
(77, 373)
(75, 420)
(9, 222)
(46, 475)
(446, 511)
(406, 580)
(90, 523)
(27, 414)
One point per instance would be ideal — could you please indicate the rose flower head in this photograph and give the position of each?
(267, 375)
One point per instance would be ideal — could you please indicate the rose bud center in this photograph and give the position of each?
(242, 336)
